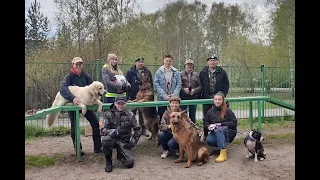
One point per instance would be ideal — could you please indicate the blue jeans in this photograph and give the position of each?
(167, 141)
(218, 137)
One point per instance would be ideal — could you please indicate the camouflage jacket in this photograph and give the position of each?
(165, 121)
(123, 122)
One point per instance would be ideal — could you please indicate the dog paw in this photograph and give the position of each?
(249, 156)
(261, 159)
(84, 111)
(100, 109)
(256, 160)
(177, 161)
(200, 163)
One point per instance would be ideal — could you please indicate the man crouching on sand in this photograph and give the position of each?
(116, 132)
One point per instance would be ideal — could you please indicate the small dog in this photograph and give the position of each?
(88, 95)
(149, 114)
(188, 139)
(253, 142)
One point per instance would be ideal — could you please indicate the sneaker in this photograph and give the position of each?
(177, 153)
(165, 154)
(108, 167)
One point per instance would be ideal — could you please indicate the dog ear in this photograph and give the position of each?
(94, 90)
(183, 111)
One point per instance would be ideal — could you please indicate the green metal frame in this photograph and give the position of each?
(259, 99)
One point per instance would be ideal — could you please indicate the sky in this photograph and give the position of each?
(147, 6)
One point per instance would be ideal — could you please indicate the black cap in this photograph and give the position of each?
(212, 57)
(120, 99)
(139, 59)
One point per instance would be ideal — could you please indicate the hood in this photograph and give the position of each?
(172, 68)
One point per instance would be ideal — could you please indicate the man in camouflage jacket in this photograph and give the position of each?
(116, 132)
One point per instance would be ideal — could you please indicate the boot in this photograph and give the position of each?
(108, 167)
(223, 156)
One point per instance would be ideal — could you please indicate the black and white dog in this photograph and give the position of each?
(253, 142)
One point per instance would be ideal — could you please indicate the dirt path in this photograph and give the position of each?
(279, 164)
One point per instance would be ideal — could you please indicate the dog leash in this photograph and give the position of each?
(239, 132)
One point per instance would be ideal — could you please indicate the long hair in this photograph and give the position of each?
(223, 106)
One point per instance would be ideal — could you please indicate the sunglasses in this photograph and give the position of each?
(140, 59)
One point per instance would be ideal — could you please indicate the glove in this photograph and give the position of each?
(128, 145)
(113, 133)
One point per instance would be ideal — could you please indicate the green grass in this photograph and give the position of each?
(32, 131)
(41, 160)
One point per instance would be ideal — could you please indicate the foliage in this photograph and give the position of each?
(41, 161)
(32, 131)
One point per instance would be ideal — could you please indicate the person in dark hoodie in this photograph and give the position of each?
(222, 123)
(77, 77)
(133, 76)
(212, 79)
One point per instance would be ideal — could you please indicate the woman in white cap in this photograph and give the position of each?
(109, 70)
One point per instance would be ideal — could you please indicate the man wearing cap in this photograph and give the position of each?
(213, 79)
(191, 87)
(77, 77)
(116, 132)
(133, 76)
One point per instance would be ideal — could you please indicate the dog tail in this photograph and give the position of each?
(51, 118)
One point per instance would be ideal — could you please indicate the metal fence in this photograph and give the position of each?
(43, 81)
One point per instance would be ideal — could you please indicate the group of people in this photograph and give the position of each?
(121, 130)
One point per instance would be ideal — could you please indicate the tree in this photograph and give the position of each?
(36, 28)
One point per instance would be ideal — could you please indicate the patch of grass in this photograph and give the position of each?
(32, 131)
(271, 139)
(41, 160)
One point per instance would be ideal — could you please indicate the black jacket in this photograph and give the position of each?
(133, 78)
(72, 79)
(230, 120)
(222, 82)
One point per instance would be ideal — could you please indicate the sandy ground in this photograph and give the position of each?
(279, 164)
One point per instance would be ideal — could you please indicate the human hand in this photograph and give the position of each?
(76, 101)
(129, 145)
(211, 127)
(191, 92)
(186, 90)
(166, 97)
(169, 127)
(218, 125)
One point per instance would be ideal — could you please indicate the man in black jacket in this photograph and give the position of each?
(133, 76)
(77, 77)
(212, 79)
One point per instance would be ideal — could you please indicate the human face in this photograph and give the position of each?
(217, 100)
(212, 63)
(120, 106)
(167, 62)
(113, 61)
(77, 67)
(174, 106)
(188, 67)
(139, 64)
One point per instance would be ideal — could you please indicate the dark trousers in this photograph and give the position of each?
(123, 155)
(140, 116)
(192, 111)
(161, 110)
(167, 141)
(94, 122)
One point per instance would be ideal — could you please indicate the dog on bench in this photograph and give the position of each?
(253, 143)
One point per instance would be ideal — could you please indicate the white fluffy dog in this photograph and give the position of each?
(88, 95)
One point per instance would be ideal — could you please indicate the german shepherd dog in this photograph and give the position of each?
(188, 139)
(149, 114)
